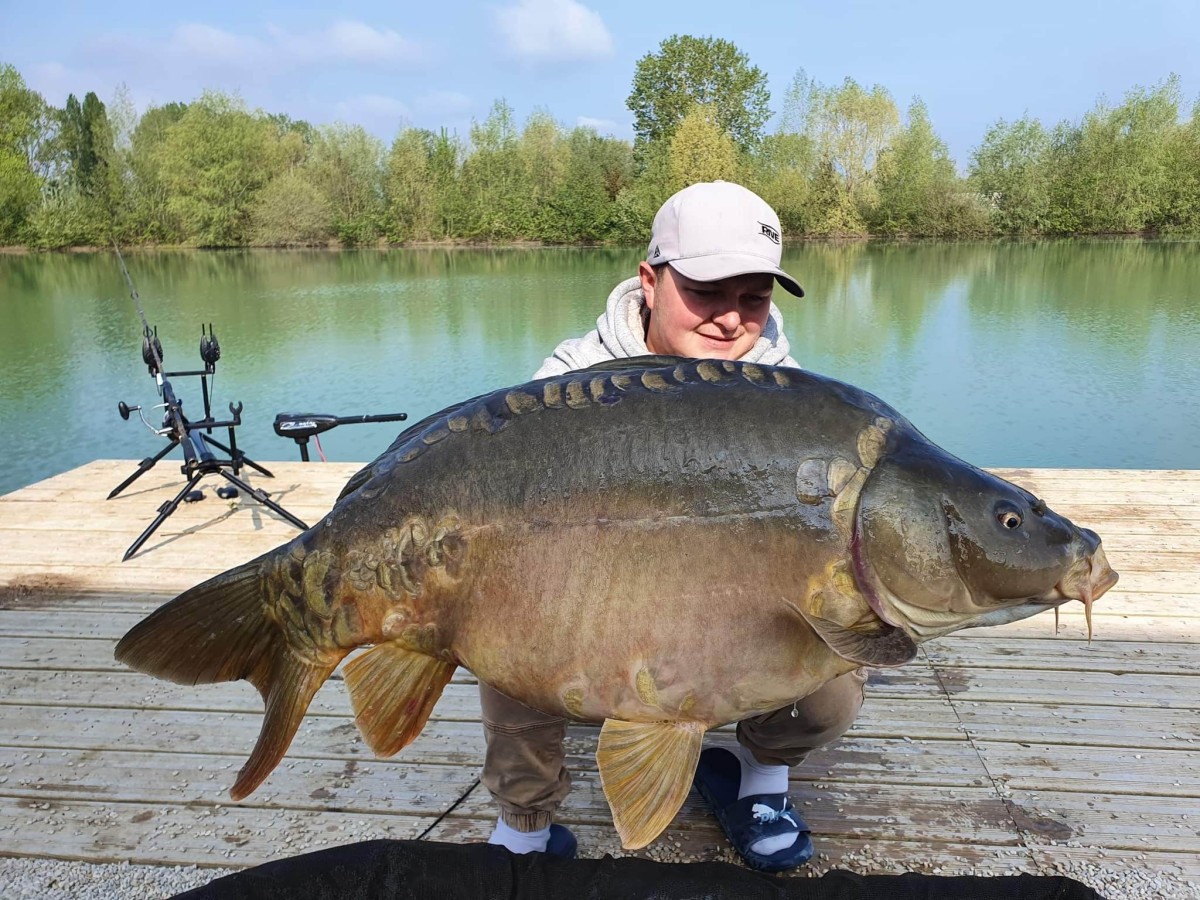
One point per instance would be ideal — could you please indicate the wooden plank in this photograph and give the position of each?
(64, 504)
(245, 517)
(24, 526)
(1122, 822)
(940, 814)
(186, 564)
(184, 835)
(131, 776)
(1037, 766)
(1068, 724)
(169, 730)
(1122, 627)
(335, 474)
(62, 654)
(132, 690)
(866, 811)
(36, 728)
(126, 689)
(210, 549)
(1177, 692)
(43, 612)
(66, 653)
(1053, 654)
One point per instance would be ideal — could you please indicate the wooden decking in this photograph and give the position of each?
(999, 750)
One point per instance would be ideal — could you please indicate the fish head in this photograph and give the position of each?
(940, 545)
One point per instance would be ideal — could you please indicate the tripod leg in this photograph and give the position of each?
(163, 511)
(144, 466)
(241, 458)
(264, 498)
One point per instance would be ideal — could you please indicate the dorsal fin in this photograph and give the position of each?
(632, 362)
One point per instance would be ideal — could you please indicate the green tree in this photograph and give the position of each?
(409, 189)
(781, 172)
(1180, 209)
(493, 178)
(544, 156)
(290, 210)
(1010, 170)
(346, 165)
(848, 128)
(446, 154)
(21, 119)
(150, 215)
(598, 169)
(1111, 173)
(701, 151)
(834, 212)
(212, 162)
(687, 71)
(916, 181)
(94, 185)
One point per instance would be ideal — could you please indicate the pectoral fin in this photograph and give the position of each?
(646, 769)
(885, 645)
(393, 691)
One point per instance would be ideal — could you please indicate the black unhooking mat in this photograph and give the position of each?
(430, 870)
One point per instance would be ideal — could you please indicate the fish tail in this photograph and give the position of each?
(220, 631)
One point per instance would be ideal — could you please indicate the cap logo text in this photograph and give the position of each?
(770, 232)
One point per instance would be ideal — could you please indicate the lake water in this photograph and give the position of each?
(1063, 353)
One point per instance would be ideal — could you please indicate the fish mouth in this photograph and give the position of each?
(1086, 582)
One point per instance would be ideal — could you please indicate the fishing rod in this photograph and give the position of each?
(152, 356)
(194, 438)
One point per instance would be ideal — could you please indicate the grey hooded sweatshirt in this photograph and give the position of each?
(621, 333)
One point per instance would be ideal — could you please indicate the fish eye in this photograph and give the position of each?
(1009, 519)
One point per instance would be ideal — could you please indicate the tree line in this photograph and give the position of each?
(843, 161)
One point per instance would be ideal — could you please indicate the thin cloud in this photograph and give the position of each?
(446, 103)
(604, 126)
(346, 41)
(194, 41)
(372, 107)
(203, 50)
(553, 31)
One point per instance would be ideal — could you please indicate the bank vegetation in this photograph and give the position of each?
(843, 160)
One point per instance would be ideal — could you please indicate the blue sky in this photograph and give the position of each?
(444, 63)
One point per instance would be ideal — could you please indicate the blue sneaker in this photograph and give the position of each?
(749, 820)
(562, 843)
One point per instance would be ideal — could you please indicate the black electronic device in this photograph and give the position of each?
(194, 437)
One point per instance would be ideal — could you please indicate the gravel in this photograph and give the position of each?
(24, 878)
(31, 878)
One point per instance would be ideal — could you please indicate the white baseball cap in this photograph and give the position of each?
(718, 229)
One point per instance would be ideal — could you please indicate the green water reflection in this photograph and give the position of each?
(1034, 353)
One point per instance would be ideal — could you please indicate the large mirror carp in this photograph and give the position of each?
(661, 545)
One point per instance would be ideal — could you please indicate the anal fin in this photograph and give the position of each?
(393, 691)
(646, 769)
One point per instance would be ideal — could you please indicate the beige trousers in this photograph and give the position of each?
(523, 767)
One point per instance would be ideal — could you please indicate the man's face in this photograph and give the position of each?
(704, 319)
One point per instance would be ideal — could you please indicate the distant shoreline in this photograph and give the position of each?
(460, 244)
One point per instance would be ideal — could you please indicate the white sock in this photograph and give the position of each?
(520, 841)
(758, 778)
(761, 779)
